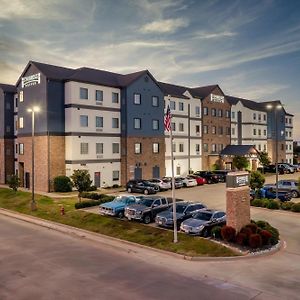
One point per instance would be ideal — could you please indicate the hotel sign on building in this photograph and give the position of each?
(216, 98)
(31, 80)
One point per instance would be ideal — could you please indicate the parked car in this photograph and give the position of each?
(187, 181)
(200, 180)
(288, 185)
(117, 206)
(222, 174)
(146, 209)
(295, 168)
(163, 184)
(178, 182)
(287, 168)
(184, 210)
(270, 193)
(202, 222)
(272, 169)
(209, 176)
(141, 186)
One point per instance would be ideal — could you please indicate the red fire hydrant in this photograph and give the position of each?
(62, 210)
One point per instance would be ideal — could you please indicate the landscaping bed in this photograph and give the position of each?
(275, 204)
(49, 209)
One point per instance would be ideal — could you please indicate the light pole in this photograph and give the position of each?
(32, 110)
(275, 109)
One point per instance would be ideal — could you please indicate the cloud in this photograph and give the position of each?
(164, 26)
(213, 35)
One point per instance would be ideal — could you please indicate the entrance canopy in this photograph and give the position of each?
(239, 150)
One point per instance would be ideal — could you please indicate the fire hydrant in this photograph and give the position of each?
(62, 210)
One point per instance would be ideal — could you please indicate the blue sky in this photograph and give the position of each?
(250, 48)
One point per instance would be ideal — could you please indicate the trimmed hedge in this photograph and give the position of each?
(241, 239)
(287, 205)
(255, 241)
(101, 198)
(228, 233)
(295, 207)
(216, 232)
(265, 236)
(273, 204)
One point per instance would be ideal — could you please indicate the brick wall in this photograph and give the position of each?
(2, 162)
(6, 159)
(271, 144)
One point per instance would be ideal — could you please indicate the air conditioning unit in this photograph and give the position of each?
(99, 129)
(99, 156)
(99, 103)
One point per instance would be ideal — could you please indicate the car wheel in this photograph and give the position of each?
(129, 190)
(295, 194)
(209, 181)
(120, 214)
(146, 192)
(147, 219)
(205, 232)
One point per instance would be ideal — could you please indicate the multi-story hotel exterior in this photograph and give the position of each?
(112, 125)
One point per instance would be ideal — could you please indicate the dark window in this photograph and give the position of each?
(84, 148)
(181, 106)
(154, 101)
(205, 129)
(197, 111)
(99, 95)
(228, 130)
(115, 123)
(181, 148)
(115, 175)
(115, 98)
(227, 113)
(155, 124)
(213, 112)
(205, 111)
(115, 148)
(205, 147)
(99, 122)
(220, 113)
(172, 105)
(220, 130)
(84, 121)
(173, 125)
(181, 127)
(197, 128)
(84, 93)
(137, 99)
(137, 123)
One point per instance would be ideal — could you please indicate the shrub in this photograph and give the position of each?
(14, 182)
(252, 227)
(62, 184)
(257, 180)
(286, 205)
(241, 239)
(115, 186)
(255, 241)
(90, 203)
(273, 204)
(296, 207)
(228, 233)
(92, 188)
(266, 226)
(257, 202)
(216, 232)
(265, 236)
(247, 231)
(265, 202)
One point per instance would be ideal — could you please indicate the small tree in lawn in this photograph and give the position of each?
(82, 181)
(264, 158)
(257, 180)
(14, 182)
(240, 162)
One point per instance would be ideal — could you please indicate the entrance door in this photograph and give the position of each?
(138, 173)
(155, 172)
(27, 180)
(97, 177)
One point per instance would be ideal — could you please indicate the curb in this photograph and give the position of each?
(132, 247)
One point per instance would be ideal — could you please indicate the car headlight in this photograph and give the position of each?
(199, 228)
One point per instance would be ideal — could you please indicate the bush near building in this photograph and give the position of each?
(62, 184)
(275, 204)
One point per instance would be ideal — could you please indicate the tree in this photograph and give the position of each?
(62, 184)
(82, 181)
(264, 158)
(240, 162)
(14, 182)
(257, 180)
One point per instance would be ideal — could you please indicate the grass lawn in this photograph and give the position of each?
(49, 209)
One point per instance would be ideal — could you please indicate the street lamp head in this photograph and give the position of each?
(269, 106)
(278, 106)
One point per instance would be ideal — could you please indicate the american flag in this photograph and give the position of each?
(167, 120)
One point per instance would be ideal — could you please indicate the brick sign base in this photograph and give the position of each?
(237, 207)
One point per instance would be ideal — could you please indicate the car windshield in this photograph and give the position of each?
(179, 208)
(166, 180)
(203, 216)
(120, 199)
(146, 202)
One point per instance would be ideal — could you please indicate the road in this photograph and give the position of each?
(37, 263)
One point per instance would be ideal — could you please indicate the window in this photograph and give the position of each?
(227, 130)
(259, 132)
(99, 148)
(233, 131)
(254, 116)
(174, 147)
(155, 124)
(213, 112)
(155, 147)
(115, 175)
(172, 105)
(21, 122)
(99, 122)
(181, 148)
(173, 125)
(21, 149)
(259, 147)
(265, 147)
(99, 95)
(181, 127)
(115, 122)
(137, 99)
(265, 132)
(197, 129)
(205, 147)
(290, 134)
(282, 146)
(115, 148)
(197, 146)
(221, 147)
(115, 97)
(213, 148)
(7, 106)
(265, 117)
(220, 130)
(227, 113)
(21, 97)
(84, 93)
(16, 149)
(290, 147)
(137, 123)
(259, 117)
(254, 131)
(181, 106)
(154, 101)
(213, 130)
(286, 147)
(205, 111)
(178, 170)
(197, 111)
(290, 121)
(84, 148)
(205, 129)
(137, 148)
(233, 114)
(84, 121)
(220, 113)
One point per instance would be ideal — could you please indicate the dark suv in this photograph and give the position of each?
(209, 176)
(141, 186)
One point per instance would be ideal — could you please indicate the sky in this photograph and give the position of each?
(250, 48)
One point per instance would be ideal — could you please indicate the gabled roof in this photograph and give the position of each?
(8, 88)
(239, 150)
(173, 90)
(203, 91)
(253, 105)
